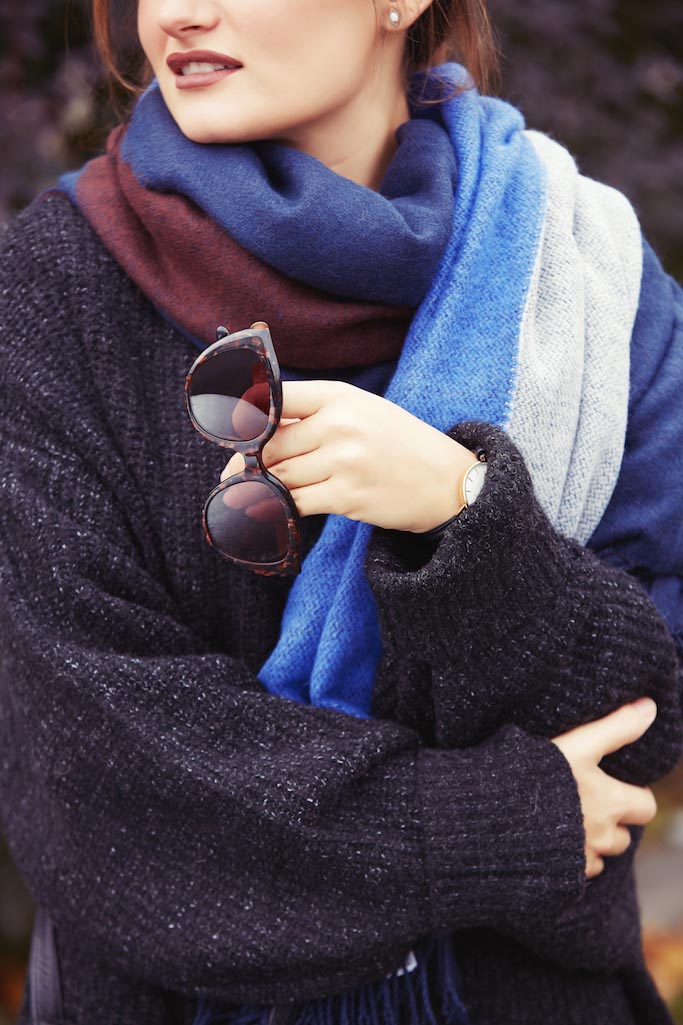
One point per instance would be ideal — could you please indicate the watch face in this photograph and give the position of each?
(474, 482)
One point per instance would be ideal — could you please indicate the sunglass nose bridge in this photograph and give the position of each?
(251, 462)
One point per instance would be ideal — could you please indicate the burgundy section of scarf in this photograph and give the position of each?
(198, 276)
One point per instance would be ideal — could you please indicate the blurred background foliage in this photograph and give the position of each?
(605, 77)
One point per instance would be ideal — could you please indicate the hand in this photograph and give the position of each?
(339, 449)
(608, 805)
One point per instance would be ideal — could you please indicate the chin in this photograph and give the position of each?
(207, 129)
(198, 132)
(198, 135)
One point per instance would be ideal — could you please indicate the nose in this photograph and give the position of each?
(183, 18)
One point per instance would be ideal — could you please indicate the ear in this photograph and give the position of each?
(411, 10)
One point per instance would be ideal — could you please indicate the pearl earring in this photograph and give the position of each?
(394, 16)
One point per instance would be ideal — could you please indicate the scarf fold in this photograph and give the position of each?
(287, 235)
(197, 276)
(301, 218)
(526, 279)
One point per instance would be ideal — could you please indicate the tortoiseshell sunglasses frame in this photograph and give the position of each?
(258, 339)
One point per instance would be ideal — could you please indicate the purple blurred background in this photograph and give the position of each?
(605, 77)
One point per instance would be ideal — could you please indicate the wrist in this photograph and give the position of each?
(502, 552)
(455, 488)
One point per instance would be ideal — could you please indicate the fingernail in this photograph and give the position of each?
(646, 707)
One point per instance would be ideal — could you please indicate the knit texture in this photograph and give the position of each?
(582, 303)
(191, 834)
(282, 205)
(527, 324)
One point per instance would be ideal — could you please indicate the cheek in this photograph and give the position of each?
(267, 26)
(301, 35)
(149, 32)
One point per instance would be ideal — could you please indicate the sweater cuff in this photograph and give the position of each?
(522, 854)
(501, 555)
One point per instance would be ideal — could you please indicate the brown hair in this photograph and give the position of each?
(447, 30)
(454, 30)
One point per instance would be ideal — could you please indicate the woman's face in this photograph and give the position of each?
(306, 65)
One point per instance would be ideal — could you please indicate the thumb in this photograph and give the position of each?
(614, 731)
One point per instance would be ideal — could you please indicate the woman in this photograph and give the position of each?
(410, 786)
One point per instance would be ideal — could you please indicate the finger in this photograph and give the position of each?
(281, 446)
(620, 841)
(614, 731)
(292, 439)
(234, 465)
(594, 865)
(316, 498)
(304, 398)
(302, 471)
(640, 805)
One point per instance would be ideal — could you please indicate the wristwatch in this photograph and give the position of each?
(471, 484)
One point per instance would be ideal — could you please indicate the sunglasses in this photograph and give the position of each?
(233, 393)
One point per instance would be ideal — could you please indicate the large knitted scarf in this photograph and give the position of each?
(527, 325)
(525, 277)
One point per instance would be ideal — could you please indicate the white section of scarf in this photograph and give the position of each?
(569, 407)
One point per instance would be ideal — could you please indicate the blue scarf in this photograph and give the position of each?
(329, 647)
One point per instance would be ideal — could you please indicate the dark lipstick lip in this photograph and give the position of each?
(176, 61)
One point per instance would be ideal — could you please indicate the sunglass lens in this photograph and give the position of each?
(229, 395)
(248, 520)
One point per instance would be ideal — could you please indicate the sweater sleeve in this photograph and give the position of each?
(509, 621)
(196, 831)
(518, 623)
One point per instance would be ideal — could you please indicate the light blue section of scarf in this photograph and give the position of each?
(458, 362)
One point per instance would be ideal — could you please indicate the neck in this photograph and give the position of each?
(358, 141)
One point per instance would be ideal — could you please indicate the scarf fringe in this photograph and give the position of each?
(376, 1003)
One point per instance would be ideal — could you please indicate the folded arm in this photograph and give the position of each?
(513, 622)
(508, 621)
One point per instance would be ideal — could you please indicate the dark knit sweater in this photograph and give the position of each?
(190, 833)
